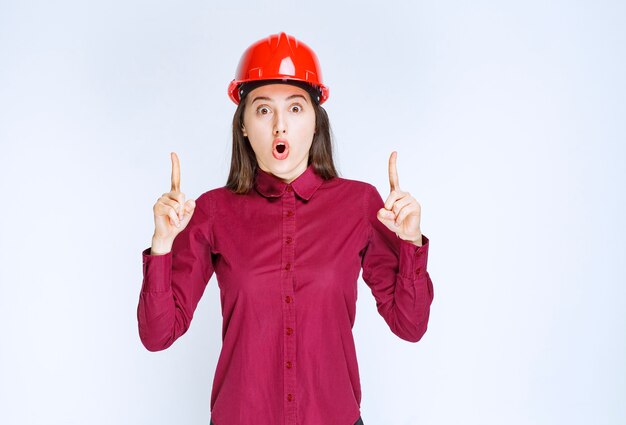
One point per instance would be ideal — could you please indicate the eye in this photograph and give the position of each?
(298, 106)
(262, 108)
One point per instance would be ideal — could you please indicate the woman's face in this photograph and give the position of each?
(279, 122)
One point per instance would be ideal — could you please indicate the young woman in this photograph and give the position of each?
(286, 238)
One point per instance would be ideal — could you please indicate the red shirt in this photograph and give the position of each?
(287, 258)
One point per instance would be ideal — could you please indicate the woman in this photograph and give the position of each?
(286, 238)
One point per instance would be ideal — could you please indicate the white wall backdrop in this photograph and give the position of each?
(509, 122)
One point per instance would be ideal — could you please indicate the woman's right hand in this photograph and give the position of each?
(171, 213)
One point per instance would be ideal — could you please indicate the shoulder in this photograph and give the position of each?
(220, 192)
(365, 190)
(358, 186)
(356, 192)
(222, 196)
(208, 200)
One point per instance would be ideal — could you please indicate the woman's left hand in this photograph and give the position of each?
(401, 213)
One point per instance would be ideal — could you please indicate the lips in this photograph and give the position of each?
(280, 148)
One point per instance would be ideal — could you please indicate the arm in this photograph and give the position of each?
(174, 282)
(395, 271)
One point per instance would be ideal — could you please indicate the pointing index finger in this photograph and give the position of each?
(393, 172)
(175, 172)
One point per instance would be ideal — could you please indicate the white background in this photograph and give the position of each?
(509, 122)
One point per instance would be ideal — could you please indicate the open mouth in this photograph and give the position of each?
(280, 148)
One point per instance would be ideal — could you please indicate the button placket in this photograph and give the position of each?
(288, 296)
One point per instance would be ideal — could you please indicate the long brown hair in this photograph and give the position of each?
(243, 163)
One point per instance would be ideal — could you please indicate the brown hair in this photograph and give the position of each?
(243, 162)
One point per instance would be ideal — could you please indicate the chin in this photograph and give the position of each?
(284, 166)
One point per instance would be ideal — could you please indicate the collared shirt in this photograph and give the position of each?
(287, 258)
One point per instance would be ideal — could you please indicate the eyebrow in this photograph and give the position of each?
(267, 98)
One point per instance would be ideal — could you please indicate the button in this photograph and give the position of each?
(290, 397)
(289, 189)
(289, 213)
(288, 364)
(289, 239)
(417, 270)
(288, 299)
(287, 266)
(289, 331)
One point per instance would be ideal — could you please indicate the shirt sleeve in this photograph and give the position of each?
(395, 271)
(173, 283)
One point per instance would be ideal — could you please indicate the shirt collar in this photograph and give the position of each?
(304, 185)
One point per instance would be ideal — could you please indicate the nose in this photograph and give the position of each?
(279, 124)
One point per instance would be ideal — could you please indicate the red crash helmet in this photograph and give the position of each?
(279, 57)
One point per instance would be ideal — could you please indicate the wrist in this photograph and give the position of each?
(160, 246)
(418, 241)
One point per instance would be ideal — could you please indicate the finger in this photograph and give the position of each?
(386, 217)
(175, 196)
(173, 203)
(175, 172)
(190, 205)
(393, 198)
(401, 202)
(404, 212)
(171, 213)
(163, 209)
(181, 201)
(178, 197)
(393, 172)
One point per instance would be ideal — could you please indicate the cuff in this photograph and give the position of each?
(413, 259)
(157, 271)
